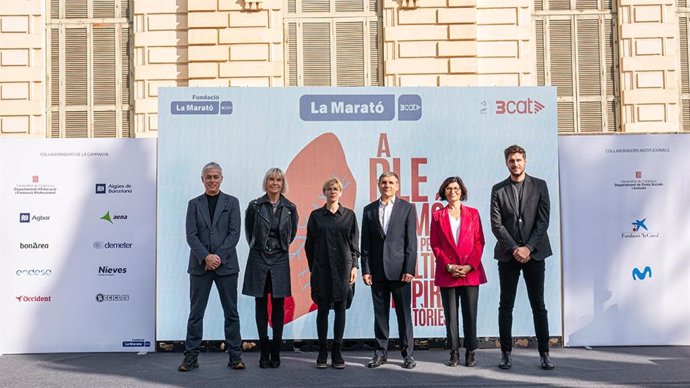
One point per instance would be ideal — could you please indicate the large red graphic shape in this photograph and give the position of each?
(323, 158)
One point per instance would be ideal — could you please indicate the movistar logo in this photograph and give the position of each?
(641, 275)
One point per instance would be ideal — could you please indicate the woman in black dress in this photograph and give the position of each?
(270, 227)
(332, 249)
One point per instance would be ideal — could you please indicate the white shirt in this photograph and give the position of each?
(455, 227)
(385, 213)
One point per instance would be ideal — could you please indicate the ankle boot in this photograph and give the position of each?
(264, 360)
(469, 358)
(322, 358)
(337, 360)
(454, 358)
(275, 353)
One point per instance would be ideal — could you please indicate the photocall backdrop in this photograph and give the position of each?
(354, 134)
(626, 239)
(77, 248)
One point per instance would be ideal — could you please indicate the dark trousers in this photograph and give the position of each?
(401, 292)
(199, 290)
(465, 297)
(338, 323)
(277, 313)
(509, 274)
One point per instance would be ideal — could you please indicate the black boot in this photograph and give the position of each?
(264, 360)
(506, 361)
(469, 358)
(337, 360)
(322, 358)
(275, 353)
(454, 358)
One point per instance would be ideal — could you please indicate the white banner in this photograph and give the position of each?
(77, 251)
(626, 239)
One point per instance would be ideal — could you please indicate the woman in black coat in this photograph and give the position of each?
(270, 227)
(332, 251)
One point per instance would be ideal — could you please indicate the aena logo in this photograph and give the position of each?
(110, 218)
(641, 275)
(521, 107)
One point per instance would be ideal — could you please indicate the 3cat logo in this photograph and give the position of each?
(521, 107)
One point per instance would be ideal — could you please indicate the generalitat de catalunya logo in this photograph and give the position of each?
(25, 218)
(35, 187)
(114, 217)
(518, 107)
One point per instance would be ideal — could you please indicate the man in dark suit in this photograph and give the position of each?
(520, 209)
(389, 263)
(213, 230)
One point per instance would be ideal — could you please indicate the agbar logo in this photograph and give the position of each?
(521, 107)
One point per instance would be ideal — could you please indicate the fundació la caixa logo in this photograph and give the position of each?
(518, 107)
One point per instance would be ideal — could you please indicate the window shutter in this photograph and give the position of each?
(541, 58)
(684, 72)
(76, 124)
(103, 9)
(316, 51)
(587, 4)
(561, 56)
(559, 5)
(374, 49)
(316, 5)
(104, 66)
(349, 5)
(373, 5)
(75, 66)
(125, 70)
(349, 43)
(292, 60)
(76, 9)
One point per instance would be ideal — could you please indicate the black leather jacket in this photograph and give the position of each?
(258, 222)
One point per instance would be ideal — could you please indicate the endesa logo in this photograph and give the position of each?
(37, 298)
(34, 272)
(112, 298)
(521, 107)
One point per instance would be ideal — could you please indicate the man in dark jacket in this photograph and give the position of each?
(213, 230)
(389, 263)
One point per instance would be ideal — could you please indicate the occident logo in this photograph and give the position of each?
(107, 271)
(33, 245)
(112, 297)
(34, 272)
(640, 230)
(26, 218)
(136, 343)
(520, 107)
(117, 217)
(37, 298)
(35, 188)
(111, 245)
(114, 188)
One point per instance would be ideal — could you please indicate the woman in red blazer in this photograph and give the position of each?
(457, 240)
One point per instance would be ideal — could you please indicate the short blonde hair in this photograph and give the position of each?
(331, 182)
(275, 172)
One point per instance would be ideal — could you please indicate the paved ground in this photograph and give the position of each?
(610, 367)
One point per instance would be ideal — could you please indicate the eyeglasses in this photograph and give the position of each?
(455, 189)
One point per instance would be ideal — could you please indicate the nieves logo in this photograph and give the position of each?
(521, 107)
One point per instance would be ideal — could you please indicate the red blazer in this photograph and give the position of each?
(468, 251)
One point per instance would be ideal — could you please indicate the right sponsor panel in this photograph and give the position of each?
(625, 207)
